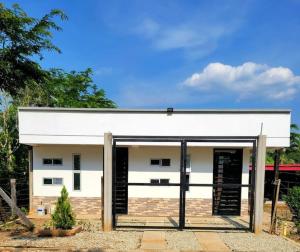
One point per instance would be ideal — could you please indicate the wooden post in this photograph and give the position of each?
(18, 212)
(30, 178)
(260, 184)
(107, 201)
(274, 211)
(13, 195)
(275, 180)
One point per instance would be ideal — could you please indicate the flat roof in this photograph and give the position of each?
(134, 110)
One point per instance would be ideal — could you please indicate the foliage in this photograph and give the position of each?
(62, 89)
(293, 201)
(63, 216)
(291, 155)
(22, 38)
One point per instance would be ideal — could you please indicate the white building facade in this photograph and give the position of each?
(68, 149)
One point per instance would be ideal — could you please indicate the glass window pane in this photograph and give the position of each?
(76, 162)
(47, 161)
(154, 162)
(166, 162)
(47, 181)
(164, 181)
(76, 181)
(57, 161)
(57, 181)
(188, 161)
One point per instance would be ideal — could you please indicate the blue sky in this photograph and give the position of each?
(183, 54)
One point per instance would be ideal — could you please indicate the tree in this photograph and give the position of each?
(291, 154)
(21, 38)
(63, 216)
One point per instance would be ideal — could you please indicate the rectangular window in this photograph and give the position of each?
(76, 172)
(155, 162)
(53, 181)
(164, 181)
(187, 180)
(57, 161)
(52, 161)
(154, 181)
(76, 159)
(76, 181)
(188, 163)
(47, 161)
(166, 162)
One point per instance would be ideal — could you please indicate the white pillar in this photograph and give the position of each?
(107, 201)
(259, 184)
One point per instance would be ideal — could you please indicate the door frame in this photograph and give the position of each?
(241, 177)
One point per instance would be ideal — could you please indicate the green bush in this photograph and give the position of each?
(293, 201)
(63, 216)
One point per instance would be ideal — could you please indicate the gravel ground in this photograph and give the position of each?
(117, 240)
(183, 240)
(264, 242)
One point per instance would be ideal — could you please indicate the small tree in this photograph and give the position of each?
(63, 216)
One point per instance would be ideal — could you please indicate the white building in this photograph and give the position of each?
(68, 149)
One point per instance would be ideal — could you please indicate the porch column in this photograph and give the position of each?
(107, 173)
(30, 179)
(259, 184)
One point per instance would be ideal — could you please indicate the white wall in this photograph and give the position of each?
(141, 171)
(91, 170)
(54, 126)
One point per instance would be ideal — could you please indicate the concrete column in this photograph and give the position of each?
(260, 184)
(107, 201)
(30, 179)
(13, 196)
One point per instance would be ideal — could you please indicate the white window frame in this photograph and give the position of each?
(76, 171)
(52, 184)
(52, 164)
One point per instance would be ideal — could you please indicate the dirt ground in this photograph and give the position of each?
(14, 236)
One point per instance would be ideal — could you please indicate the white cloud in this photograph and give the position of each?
(195, 38)
(247, 80)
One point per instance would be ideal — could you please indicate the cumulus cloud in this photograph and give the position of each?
(246, 80)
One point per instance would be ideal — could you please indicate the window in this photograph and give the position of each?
(164, 181)
(155, 162)
(188, 163)
(47, 161)
(187, 180)
(52, 161)
(53, 181)
(160, 181)
(154, 181)
(76, 172)
(57, 161)
(166, 162)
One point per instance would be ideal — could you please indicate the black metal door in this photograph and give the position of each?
(121, 188)
(227, 170)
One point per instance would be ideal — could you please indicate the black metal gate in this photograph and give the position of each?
(184, 184)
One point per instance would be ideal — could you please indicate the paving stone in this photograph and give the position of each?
(153, 240)
(211, 242)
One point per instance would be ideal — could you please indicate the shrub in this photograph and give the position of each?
(293, 201)
(63, 216)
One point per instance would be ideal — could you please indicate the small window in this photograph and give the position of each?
(166, 162)
(47, 181)
(154, 181)
(76, 160)
(57, 181)
(76, 181)
(53, 181)
(155, 162)
(47, 161)
(188, 161)
(164, 181)
(57, 161)
(187, 180)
